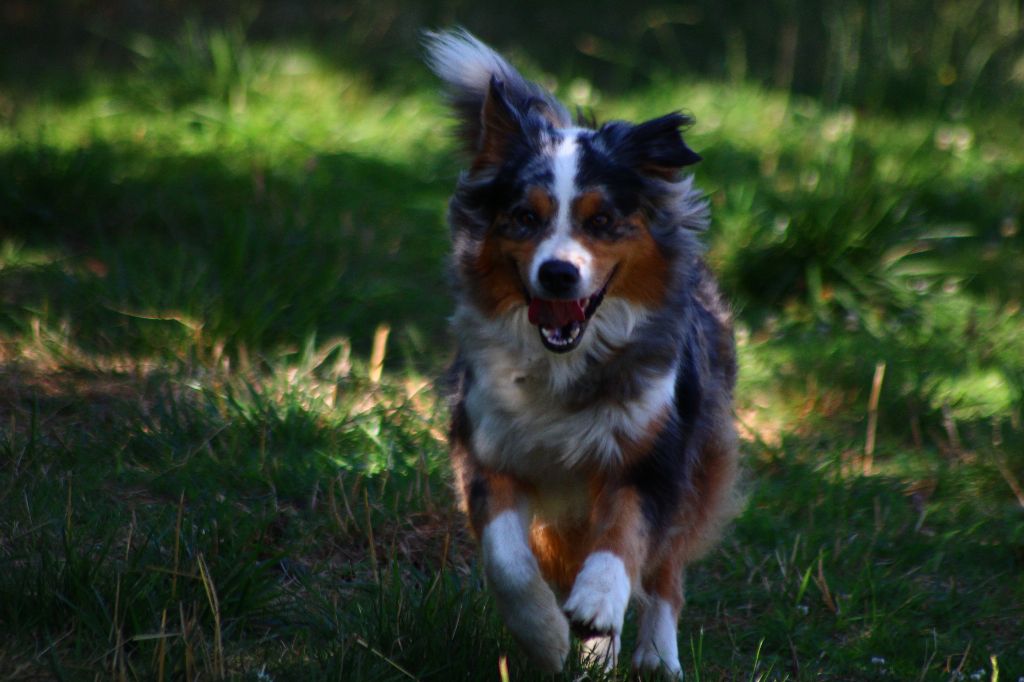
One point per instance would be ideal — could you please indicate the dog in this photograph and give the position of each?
(591, 438)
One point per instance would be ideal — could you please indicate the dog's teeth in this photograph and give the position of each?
(561, 337)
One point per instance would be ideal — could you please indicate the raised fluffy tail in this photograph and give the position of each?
(467, 67)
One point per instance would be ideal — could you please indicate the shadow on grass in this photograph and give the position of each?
(134, 253)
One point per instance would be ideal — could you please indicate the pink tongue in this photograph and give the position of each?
(557, 313)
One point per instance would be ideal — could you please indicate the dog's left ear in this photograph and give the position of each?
(655, 147)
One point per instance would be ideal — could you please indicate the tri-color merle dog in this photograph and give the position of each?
(592, 436)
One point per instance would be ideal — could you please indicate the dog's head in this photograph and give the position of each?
(554, 217)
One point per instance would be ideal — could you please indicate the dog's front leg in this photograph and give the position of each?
(499, 512)
(599, 597)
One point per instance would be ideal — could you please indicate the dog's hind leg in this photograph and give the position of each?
(696, 527)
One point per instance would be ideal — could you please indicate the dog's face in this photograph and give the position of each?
(568, 216)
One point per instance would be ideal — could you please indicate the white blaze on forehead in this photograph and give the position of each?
(564, 167)
(560, 244)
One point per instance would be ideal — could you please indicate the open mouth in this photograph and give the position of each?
(562, 322)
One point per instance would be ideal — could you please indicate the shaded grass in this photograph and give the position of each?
(276, 499)
(200, 479)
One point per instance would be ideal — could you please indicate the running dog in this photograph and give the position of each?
(592, 437)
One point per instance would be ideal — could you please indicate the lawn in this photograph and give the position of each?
(223, 312)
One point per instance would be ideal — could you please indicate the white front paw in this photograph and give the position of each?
(597, 603)
(526, 603)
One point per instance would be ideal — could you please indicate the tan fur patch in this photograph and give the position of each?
(502, 266)
(498, 271)
(619, 525)
(560, 552)
(666, 581)
(503, 493)
(500, 493)
(641, 271)
(541, 203)
(587, 205)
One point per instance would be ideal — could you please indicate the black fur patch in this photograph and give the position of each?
(665, 474)
(649, 146)
(627, 189)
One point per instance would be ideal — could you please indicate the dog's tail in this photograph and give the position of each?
(468, 67)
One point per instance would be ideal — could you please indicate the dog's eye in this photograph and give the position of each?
(523, 225)
(526, 218)
(600, 224)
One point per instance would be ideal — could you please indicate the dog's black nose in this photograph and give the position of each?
(558, 278)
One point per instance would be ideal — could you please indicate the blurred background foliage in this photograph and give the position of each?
(240, 176)
(900, 55)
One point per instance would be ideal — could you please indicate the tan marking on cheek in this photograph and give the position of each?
(642, 275)
(498, 285)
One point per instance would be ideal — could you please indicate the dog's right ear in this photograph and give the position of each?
(496, 107)
(501, 127)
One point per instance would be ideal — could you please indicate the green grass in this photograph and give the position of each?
(200, 477)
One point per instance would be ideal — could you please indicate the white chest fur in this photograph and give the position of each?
(516, 400)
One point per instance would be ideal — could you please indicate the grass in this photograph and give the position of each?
(203, 476)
